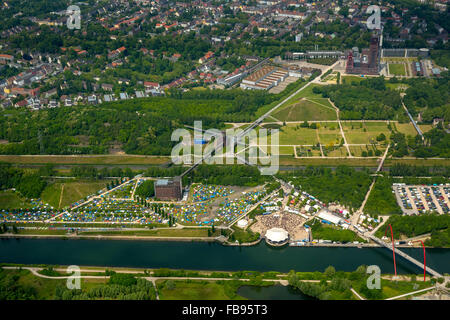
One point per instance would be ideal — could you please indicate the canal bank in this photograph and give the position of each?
(209, 256)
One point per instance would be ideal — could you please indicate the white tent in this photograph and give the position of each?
(277, 235)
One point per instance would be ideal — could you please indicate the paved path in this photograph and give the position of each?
(410, 293)
(342, 130)
(357, 294)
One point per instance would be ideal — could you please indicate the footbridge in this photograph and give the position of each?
(405, 256)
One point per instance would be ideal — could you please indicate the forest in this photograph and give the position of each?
(411, 226)
(345, 185)
(381, 200)
(139, 126)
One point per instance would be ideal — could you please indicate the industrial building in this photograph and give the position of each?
(265, 78)
(168, 189)
(366, 62)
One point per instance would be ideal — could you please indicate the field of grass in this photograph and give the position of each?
(326, 232)
(42, 289)
(12, 200)
(339, 152)
(305, 93)
(391, 289)
(366, 134)
(397, 69)
(72, 191)
(329, 133)
(406, 128)
(193, 290)
(349, 79)
(306, 110)
(290, 135)
(286, 151)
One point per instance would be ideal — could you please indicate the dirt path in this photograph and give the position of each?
(61, 196)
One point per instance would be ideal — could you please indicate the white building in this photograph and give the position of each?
(325, 215)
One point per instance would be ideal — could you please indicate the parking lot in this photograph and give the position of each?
(415, 199)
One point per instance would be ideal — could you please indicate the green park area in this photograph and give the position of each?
(131, 284)
(60, 194)
(397, 69)
(365, 132)
(306, 109)
(11, 199)
(295, 135)
(328, 232)
(198, 290)
(306, 105)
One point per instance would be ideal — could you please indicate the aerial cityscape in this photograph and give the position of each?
(224, 150)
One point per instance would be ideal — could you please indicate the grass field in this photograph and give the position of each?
(193, 290)
(349, 79)
(43, 289)
(292, 136)
(306, 110)
(397, 69)
(72, 191)
(391, 289)
(364, 132)
(12, 200)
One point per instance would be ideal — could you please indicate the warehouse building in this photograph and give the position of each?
(168, 189)
(265, 78)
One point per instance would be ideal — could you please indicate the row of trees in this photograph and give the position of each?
(119, 287)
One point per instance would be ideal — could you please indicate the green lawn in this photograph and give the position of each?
(193, 290)
(38, 288)
(406, 128)
(397, 69)
(73, 191)
(306, 110)
(391, 289)
(290, 135)
(356, 134)
(10, 199)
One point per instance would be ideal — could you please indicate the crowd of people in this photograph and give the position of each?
(287, 221)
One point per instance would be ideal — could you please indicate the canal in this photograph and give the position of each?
(209, 256)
